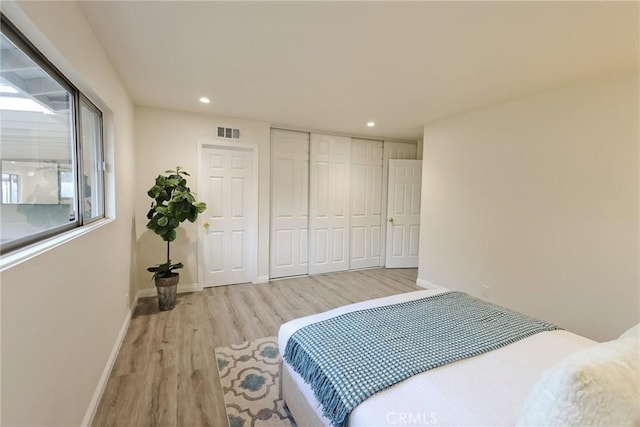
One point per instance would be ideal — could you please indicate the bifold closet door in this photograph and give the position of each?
(366, 203)
(329, 194)
(289, 203)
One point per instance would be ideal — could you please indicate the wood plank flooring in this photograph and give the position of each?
(165, 373)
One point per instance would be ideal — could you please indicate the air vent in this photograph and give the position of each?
(228, 133)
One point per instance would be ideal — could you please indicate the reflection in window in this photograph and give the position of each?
(93, 187)
(9, 188)
(41, 134)
(66, 185)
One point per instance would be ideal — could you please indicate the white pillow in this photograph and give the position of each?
(596, 386)
(633, 331)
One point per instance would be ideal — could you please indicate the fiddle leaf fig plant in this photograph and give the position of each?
(173, 203)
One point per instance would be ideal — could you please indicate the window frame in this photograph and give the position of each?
(82, 99)
(11, 32)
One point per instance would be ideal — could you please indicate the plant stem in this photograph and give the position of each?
(168, 259)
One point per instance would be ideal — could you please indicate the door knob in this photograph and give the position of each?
(391, 219)
(206, 225)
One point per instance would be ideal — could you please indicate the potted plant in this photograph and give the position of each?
(173, 203)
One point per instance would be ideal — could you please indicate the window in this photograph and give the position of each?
(92, 182)
(51, 151)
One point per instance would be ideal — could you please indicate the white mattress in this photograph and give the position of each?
(488, 389)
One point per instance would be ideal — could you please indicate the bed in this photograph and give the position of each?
(488, 389)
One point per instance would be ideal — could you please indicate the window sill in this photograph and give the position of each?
(21, 255)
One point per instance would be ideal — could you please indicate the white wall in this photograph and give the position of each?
(62, 311)
(166, 139)
(538, 199)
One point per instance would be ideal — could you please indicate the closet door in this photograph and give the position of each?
(329, 194)
(289, 203)
(392, 150)
(366, 203)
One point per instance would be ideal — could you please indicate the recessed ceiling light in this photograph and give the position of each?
(370, 124)
(205, 100)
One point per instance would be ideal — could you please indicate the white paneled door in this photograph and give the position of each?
(403, 213)
(329, 194)
(392, 150)
(230, 221)
(289, 203)
(366, 203)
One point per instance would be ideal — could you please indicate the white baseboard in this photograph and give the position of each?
(151, 292)
(102, 383)
(428, 285)
(262, 279)
(87, 420)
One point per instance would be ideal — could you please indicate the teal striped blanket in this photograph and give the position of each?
(352, 356)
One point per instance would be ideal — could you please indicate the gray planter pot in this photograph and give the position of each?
(167, 287)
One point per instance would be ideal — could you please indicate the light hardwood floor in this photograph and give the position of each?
(165, 373)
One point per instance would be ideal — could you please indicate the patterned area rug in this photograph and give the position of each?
(250, 378)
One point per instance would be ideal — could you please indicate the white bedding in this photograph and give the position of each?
(484, 390)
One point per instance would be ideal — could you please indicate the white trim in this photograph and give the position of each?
(276, 279)
(261, 279)
(335, 133)
(428, 285)
(21, 255)
(375, 267)
(151, 292)
(87, 420)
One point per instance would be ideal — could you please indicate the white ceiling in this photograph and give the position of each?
(333, 66)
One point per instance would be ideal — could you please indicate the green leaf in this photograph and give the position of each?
(162, 270)
(173, 203)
